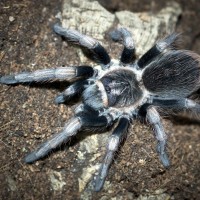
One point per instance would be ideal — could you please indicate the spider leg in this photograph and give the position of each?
(69, 130)
(125, 37)
(60, 73)
(182, 103)
(75, 89)
(113, 145)
(154, 119)
(89, 43)
(90, 119)
(166, 43)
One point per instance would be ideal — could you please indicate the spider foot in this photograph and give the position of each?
(8, 80)
(163, 154)
(165, 160)
(41, 152)
(101, 177)
(31, 157)
(60, 99)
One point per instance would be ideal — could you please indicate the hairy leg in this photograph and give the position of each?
(73, 90)
(70, 129)
(168, 42)
(154, 119)
(125, 37)
(113, 145)
(90, 43)
(56, 74)
(182, 104)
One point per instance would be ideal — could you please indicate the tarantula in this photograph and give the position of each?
(120, 91)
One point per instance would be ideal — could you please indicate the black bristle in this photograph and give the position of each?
(85, 71)
(89, 120)
(148, 56)
(128, 55)
(101, 55)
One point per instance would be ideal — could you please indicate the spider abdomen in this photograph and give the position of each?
(173, 74)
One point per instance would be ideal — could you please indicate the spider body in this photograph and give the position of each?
(120, 91)
(117, 87)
